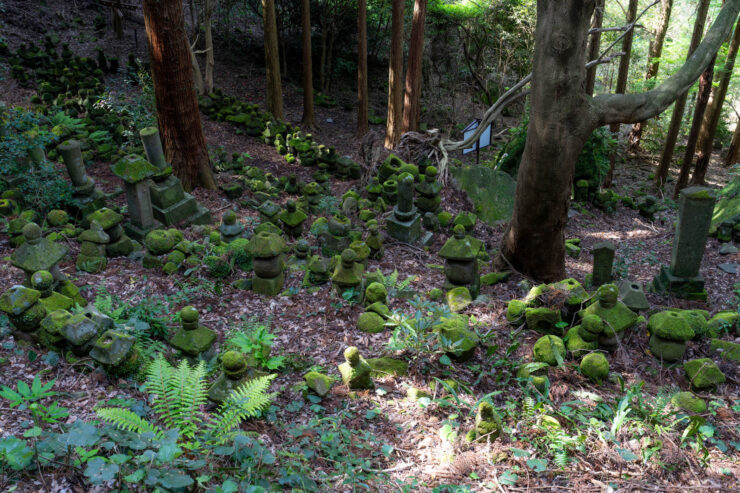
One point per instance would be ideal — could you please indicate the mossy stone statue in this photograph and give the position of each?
(193, 339)
(355, 370)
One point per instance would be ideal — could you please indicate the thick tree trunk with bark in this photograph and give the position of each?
(624, 69)
(395, 78)
(308, 114)
(412, 97)
(272, 62)
(733, 153)
(654, 53)
(561, 119)
(670, 142)
(714, 112)
(362, 95)
(594, 46)
(178, 116)
(702, 99)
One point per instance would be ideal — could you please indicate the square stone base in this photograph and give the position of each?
(171, 205)
(473, 288)
(690, 288)
(404, 231)
(268, 287)
(139, 232)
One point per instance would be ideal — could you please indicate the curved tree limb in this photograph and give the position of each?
(632, 108)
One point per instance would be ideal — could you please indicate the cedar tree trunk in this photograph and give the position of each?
(362, 96)
(654, 53)
(308, 115)
(562, 116)
(734, 151)
(395, 78)
(670, 142)
(272, 62)
(624, 70)
(594, 46)
(178, 116)
(714, 111)
(411, 105)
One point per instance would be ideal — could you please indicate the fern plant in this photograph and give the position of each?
(391, 282)
(178, 395)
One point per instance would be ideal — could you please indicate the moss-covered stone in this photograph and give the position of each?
(576, 345)
(617, 317)
(538, 377)
(435, 294)
(595, 366)
(688, 402)
(80, 331)
(133, 168)
(414, 394)
(57, 218)
(159, 242)
(703, 373)
(697, 320)
(117, 352)
(195, 341)
(546, 347)
(318, 383)
(543, 320)
(467, 220)
(379, 308)
(107, 218)
(591, 327)
(444, 218)
(383, 367)
(456, 338)
(726, 350)
(266, 245)
(667, 350)
(723, 321)
(458, 299)
(494, 278)
(375, 292)
(18, 299)
(37, 253)
(50, 334)
(488, 423)
(370, 322)
(670, 325)
(515, 312)
(355, 370)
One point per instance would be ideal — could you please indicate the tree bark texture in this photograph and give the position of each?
(197, 77)
(178, 116)
(594, 46)
(702, 99)
(272, 62)
(624, 69)
(210, 60)
(733, 153)
(412, 97)
(308, 113)
(395, 78)
(670, 142)
(714, 112)
(362, 95)
(654, 54)
(562, 116)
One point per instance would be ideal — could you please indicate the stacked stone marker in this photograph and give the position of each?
(170, 203)
(89, 198)
(603, 260)
(682, 277)
(405, 224)
(135, 172)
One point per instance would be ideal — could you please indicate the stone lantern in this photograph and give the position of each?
(37, 253)
(117, 353)
(292, 220)
(193, 339)
(230, 229)
(461, 261)
(234, 372)
(266, 250)
(348, 273)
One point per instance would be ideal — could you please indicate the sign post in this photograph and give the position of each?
(484, 140)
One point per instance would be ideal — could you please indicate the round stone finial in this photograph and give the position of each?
(229, 217)
(233, 361)
(189, 315)
(302, 245)
(348, 256)
(31, 233)
(459, 231)
(607, 295)
(42, 280)
(352, 355)
(431, 172)
(291, 206)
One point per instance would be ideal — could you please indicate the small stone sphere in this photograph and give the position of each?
(459, 231)
(233, 361)
(42, 280)
(348, 256)
(229, 217)
(31, 232)
(189, 314)
(352, 355)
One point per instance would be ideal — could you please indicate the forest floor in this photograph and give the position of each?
(314, 327)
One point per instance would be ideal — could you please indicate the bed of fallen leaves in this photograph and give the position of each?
(316, 327)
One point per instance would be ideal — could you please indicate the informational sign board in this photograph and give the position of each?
(484, 140)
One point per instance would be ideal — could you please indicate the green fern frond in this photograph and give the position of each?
(193, 396)
(243, 402)
(157, 379)
(126, 419)
(561, 458)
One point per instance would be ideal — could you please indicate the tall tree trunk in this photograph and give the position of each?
(702, 98)
(733, 153)
(411, 102)
(178, 116)
(395, 78)
(207, 21)
(272, 63)
(654, 53)
(561, 119)
(362, 96)
(329, 61)
(624, 69)
(714, 112)
(594, 46)
(308, 115)
(197, 77)
(670, 141)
